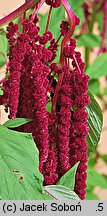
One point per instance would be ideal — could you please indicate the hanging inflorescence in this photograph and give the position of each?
(36, 80)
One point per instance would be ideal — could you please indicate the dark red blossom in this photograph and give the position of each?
(64, 126)
(64, 26)
(77, 82)
(82, 101)
(16, 56)
(55, 67)
(47, 36)
(12, 30)
(54, 3)
(51, 179)
(40, 101)
(53, 48)
(80, 115)
(5, 98)
(51, 165)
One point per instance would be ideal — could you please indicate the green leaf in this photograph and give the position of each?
(80, 14)
(105, 91)
(76, 5)
(95, 122)
(89, 40)
(43, 19)
(56, 17)
(92, 162)
(98, 68)
(7, 75)
(68, 179)
(99, 19)
(3, 47)
(95, 179)
(78, 10)
(19, 157)
(13, 123)
(49, 106)
(104, 157)
(91, 196)
(60, 192)
(94, 86)
(1, 92)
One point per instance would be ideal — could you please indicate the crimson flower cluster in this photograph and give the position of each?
(36, 81)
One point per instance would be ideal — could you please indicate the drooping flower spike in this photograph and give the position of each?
(61, 134)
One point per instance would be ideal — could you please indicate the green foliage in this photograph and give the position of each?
(94, 86)
(99, 19)
(3, 47)
(13, 123)
(60, 192)
(78, 10)
(95, 121)
(19, 158)
(68, 179)
(49, 106)
(20, 178)
(105, 91)
(92, 161)
(96, 179)
(89, 40)
(56, 18)
(42, 22)
(91, 196)
(1, 91)
(98, 68)
(76, 5)
(104, 157)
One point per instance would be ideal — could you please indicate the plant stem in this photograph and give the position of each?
(79, 69)
(18, 11)
(48, 21)
(24, 16)
(58, 86)
(72, 22)
(87, 54)
(104, 32)
(66, 39)
(58, 39)
(37, 9)
(87, 49)
(50, 194)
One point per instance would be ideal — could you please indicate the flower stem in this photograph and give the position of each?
(66, 39)
(58, 39)
(24, 16)
(18, 11)
(37, 9)
(78, 67)
(48, 21)
(104, 32)
(72, 22)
